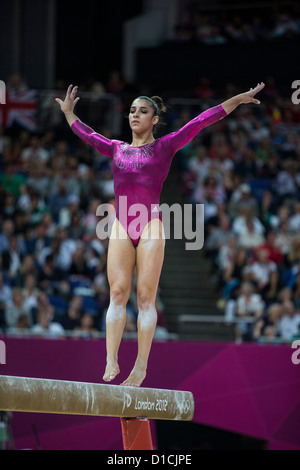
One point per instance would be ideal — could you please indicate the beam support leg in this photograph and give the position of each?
(136, 434)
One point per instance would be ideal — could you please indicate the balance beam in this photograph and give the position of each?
(80, 398)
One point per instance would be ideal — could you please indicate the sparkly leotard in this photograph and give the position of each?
(139, 172)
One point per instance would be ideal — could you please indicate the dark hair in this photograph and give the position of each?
(156, 103)
(158, 107)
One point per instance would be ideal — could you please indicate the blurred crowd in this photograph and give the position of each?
(246, 171)
(244, 25)
(53, 260)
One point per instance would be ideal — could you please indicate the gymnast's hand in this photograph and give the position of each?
(68, 105)
(248, 97)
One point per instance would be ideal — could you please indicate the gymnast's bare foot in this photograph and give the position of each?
(136, 377)
(111, 371)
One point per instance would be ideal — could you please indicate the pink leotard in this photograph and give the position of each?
(139, 172)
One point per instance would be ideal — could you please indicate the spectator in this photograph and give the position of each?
(75, 227)
(91, 219)
(7, 231)
(62, 249)
(270, 167)
(262, 268)
(87, 327)
(66, 212)
(294, 220)
(22, 326)
(241, 200)
(285, 26)
(37, 209)
(219, 236)
(100, 287)
(16, 309)
(34, 154)
(16, 83)
(289, 322)
(59, 199)
(11, 180)
(267, 325)
(38, 240)
(288, 181)
(200, 163)
(241, 222)
(30, 292)
(74, 313)
(79, 265)
(293, 255)
(38, 179)
(249, 305)
(5, 299)
(284, 238)
(260, 132)
(232, 275)
(226, 253)
(49, 225)
(296, 292)
(250, 238)
(220, 146)
(23, 203)
(233, 28)
(270, 291)
(215, 36)
(27, 266)
(50, 279)
(46, 328)
(247, 167)
(44, 305)
(209, 194)
(11, 258)
(274, 253)
(282, 215)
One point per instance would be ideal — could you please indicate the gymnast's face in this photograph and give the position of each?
(141, 116)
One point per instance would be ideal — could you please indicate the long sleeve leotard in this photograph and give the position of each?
(139, 172)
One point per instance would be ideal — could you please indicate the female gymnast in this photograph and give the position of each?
(139, 170)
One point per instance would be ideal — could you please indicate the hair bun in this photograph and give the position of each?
(159, 101)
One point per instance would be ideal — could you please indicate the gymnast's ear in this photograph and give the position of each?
(155, 120)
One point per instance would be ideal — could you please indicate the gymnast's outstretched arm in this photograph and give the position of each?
(67, 106)
(84, 132)
(177, 140)
(247, 97)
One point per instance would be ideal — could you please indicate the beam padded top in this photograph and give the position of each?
(81, 398)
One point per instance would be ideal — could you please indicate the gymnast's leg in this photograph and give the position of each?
(149, 261)
(120, 265)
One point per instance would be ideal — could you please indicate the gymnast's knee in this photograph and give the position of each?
(119, 295)
(145, 300)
